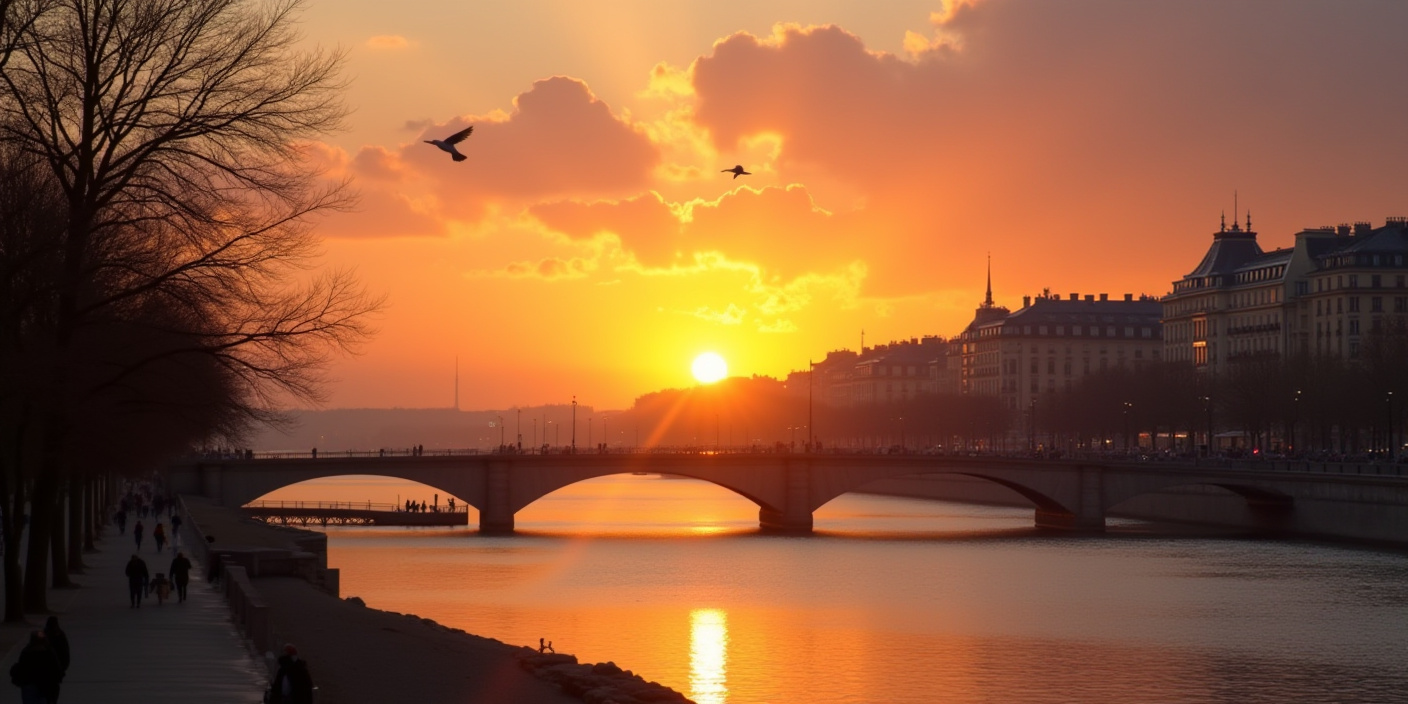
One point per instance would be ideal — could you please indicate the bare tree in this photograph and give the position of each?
(173, 130)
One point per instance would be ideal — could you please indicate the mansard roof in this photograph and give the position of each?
(1230, 250)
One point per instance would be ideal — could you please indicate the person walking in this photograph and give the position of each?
(175, 530)
(137, 577)
(137, 533)
(159, 536)
(292, 683)
(37, 671)
(58, 642)
(180, 575)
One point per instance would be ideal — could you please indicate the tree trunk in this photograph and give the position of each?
(13, 532)
(41, 524)
(76, 490)
(58, 544)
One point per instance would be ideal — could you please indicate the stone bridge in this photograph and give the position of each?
(788, 488)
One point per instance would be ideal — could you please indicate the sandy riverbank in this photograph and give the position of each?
(361, 655)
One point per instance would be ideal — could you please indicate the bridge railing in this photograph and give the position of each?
(1358, 466)
(352, 506)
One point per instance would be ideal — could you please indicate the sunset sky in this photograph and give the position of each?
(590, 246)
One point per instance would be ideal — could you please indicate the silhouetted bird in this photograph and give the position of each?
(448, 144)
(736, 171)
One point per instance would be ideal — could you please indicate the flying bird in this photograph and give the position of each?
(736, 171)
(448, 144)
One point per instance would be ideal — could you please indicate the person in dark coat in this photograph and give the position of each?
(58, 642)
(180, 575)
(37, 672)
(159, 536)
(292, 683)
(137, 533)
(137, 577)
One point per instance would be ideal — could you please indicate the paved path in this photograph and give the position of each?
(176, 653)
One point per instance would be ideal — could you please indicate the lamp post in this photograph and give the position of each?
(501, 433)
(811, 374)
(1391, 449)
(1127, 406)
(574, 424)
(1207, 406)
(519, 431)
(1032, 440)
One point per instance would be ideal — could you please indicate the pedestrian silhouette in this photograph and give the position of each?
(37, 671)
(292, 683)
(137, 577)
(180, 575)
(58, 641)
(159, 536)
(137, 533)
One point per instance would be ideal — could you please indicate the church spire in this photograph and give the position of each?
(987, 301)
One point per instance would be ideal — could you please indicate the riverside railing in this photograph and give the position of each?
(351, 506)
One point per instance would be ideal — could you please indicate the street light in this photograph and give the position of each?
(1127, 406)
(501, 433)
(574, 424)
(1391, 449)
(1207, 406)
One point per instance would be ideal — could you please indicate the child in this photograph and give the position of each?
(162, 586)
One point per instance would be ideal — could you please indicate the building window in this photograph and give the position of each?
(1041, 330)
(1354, 304)
(1376, 304)
(1374, 280)
(1066, 368)
(1109, 331)
(1050, 365)
(1354, 281)
(1354, 326)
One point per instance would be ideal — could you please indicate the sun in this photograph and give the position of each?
(709, 367)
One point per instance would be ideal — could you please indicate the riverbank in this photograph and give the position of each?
(361, 654)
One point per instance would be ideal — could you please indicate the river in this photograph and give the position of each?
(893, 600)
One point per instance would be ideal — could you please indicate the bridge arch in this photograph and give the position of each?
(1266, 507)
(1045, 496)
(525, 493)
(239, 484)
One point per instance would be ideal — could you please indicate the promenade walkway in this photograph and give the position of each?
(174, 653)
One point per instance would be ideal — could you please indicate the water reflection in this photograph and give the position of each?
(708, 656)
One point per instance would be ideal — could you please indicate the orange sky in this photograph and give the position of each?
(590, 246)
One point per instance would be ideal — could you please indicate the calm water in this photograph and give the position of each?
(894, 600)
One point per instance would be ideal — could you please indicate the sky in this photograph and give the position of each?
(589, 246)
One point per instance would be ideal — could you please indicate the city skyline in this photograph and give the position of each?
(1088, 147)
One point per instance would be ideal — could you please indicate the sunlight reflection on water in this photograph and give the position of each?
(708, 656)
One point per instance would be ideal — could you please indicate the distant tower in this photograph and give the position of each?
(987, 300)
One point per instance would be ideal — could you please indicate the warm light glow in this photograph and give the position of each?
(709, 368)
(708, 656)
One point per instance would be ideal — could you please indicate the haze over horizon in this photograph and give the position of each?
(589, 245)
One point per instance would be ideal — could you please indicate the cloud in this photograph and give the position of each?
(732, 315)
(550, 269)
(389, 42)
(558, 141)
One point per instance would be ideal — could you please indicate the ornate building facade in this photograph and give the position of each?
(1323, 295)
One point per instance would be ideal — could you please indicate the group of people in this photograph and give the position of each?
(140, 583)
(42, 664)
(422, 507)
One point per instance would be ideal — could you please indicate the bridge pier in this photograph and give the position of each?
(795, 516)
(496, 516)
(1087, 515)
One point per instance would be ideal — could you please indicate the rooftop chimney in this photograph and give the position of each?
(1104, 296)
(1075, 296)
(1026, 301)
(1362, 228)
(1089, 298)
(1129, 296)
